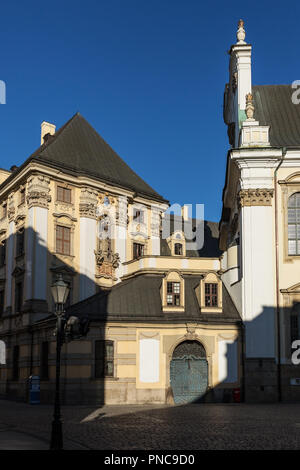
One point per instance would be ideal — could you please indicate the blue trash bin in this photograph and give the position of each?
(34, 390)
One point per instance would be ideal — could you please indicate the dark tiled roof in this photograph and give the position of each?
(210, 247)
(138, 299)
(77, 147)
(274, 108)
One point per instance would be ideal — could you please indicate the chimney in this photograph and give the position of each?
(185, 212)
(46, 128)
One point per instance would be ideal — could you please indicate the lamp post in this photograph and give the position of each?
(60, 292)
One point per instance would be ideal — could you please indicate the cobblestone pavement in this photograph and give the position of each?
(155, 427)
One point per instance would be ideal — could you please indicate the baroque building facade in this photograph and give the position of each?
(75, 208)
(171, 320)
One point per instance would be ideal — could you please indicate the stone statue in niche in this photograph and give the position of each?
(106, 260)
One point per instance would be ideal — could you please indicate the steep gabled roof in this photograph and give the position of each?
(274, 107)
(77, 147)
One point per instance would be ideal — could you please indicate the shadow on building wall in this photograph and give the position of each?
(27, 323)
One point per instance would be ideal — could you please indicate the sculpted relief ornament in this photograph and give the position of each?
(249, 107)
(38, 191)
(106, 260)
(255, 197)
(88, 203)
(11, 207)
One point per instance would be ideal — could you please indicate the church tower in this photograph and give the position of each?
(247, 226)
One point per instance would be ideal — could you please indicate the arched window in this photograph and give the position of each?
(294, 224)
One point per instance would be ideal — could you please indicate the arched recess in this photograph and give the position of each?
(189, 372)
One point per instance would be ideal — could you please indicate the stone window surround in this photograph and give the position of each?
(173, 276)
(289, 186)
(172, 240)
(71, 226)
(64, 185)
(104, 337)
(209, 278)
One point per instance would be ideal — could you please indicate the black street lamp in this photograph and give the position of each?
(60, 292)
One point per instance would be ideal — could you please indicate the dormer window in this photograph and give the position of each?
(178, 249)
(177, 244)
(211, 294)
(173, 293)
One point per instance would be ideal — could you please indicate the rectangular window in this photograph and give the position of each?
(211, 294)
(294, 328)
(63, 194)
(138, 250)
(20, 242)
(16, 357)
(104, 359)
(44, 367)
(2, 253)
(138, 216)
(1, 302)
(173, 293)
(18, 296)
(63, 238)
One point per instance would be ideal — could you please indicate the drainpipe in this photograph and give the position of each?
(277, 279)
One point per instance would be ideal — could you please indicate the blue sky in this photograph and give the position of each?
(148, 75)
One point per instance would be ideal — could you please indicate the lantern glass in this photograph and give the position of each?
(60, 290)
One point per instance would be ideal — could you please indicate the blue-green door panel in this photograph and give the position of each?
(189, 378)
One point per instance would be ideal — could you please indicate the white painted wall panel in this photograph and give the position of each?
(258, 281)
(228, 361)
(149, 360)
